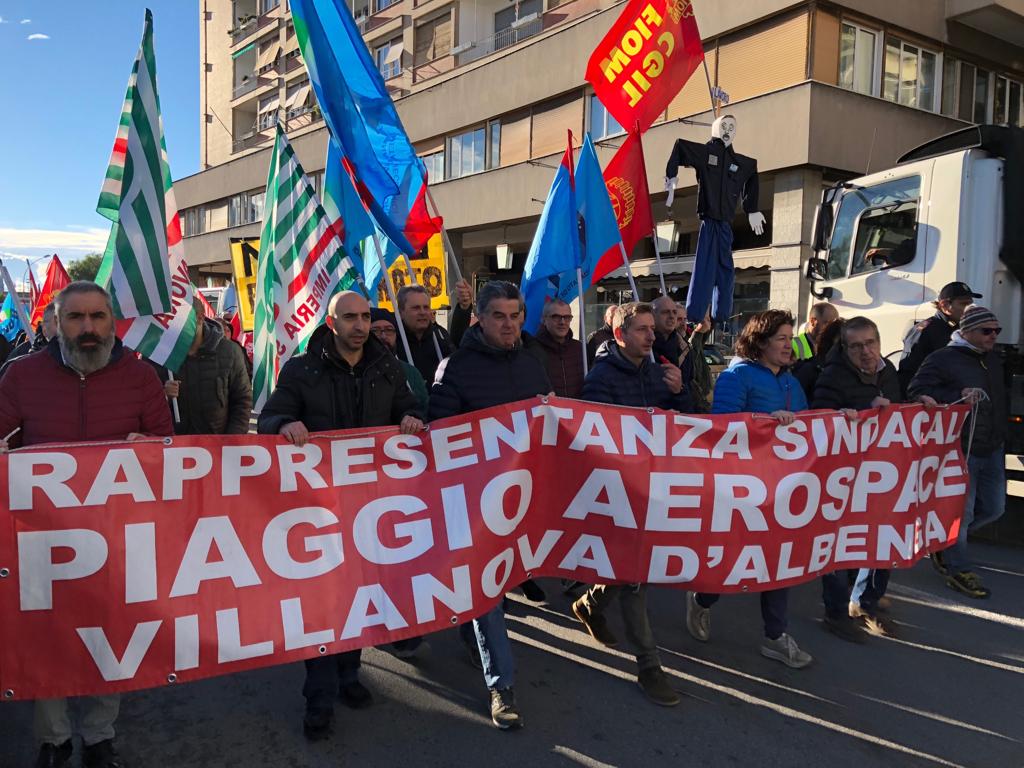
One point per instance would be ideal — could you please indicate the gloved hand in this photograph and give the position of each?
(756, 220)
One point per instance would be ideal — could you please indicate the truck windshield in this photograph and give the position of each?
(889, 227)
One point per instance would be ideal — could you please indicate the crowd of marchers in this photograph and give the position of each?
(76, 382)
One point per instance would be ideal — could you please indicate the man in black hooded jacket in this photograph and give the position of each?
(346, 379)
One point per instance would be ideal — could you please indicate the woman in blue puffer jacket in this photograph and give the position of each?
(759, 381)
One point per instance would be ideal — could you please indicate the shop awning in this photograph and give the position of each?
(683, 265)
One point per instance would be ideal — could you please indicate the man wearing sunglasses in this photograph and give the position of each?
(969, 369)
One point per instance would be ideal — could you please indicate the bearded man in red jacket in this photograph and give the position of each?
(82, 386)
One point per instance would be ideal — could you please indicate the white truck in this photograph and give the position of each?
(950, 210)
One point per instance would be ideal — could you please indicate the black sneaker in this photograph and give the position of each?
(939, 563)
(594, 623)
(844, 628)
(316, 725)
(102, 755)
(356, 696)
(533, 592)
(654, 683)
(53, 755)
(969, 584)
(504, 712)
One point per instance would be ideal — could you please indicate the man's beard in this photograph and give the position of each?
(86, 360)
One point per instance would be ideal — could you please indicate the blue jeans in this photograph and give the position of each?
(869, 588)
(711, 283)
(986, 502)
(325, 674)
(495, 648)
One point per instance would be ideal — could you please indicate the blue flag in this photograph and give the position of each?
(373, 271)
(10, 320)
(599, 229)
(555, 250)
(362, 119)
(342, 204)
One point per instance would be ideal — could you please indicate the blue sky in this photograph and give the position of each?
(61, 99)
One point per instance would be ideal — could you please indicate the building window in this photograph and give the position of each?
(266, 6)
(267, 116)
(467, 153)
(298, 98)
(857, 59)
(910, 75)
(380, 5)
(194, 221)
(434, 163)
(602, 124)
(432, 40)
(389, 58)
(494, 144)
(245, 208)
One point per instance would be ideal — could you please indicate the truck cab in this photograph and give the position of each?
(950, 210)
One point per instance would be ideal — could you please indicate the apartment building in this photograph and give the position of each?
(487, 88)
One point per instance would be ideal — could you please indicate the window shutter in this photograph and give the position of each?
(515, 138)
(694, 98)
(550, 122)
(771, 58)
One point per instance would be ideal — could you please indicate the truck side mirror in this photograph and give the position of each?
(817, 269)
(824, 220)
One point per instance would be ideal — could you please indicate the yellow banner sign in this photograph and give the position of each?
(431, 272)
(244, 255)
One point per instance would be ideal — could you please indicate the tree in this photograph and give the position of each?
(86, 267)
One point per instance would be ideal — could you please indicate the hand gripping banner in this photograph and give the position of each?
(142, 564)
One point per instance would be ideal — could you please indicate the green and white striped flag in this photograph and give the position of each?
(302, 264)
(144, 263)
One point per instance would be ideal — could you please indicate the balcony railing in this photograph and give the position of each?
(504, 38)
(249, 24)
(302, 117)
(249, 140)
(251, 84)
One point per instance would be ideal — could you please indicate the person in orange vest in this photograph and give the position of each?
(820, 316)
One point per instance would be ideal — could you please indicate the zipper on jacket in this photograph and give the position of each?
(81, 407)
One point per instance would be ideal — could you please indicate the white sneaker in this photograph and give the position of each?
(698, 618)
(785, 649)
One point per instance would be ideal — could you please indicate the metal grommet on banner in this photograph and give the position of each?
(745, 588)
(544, 400)
(4, 573)
(650, 410)
(454, 620)
(168, 441)
(172, 678)
(322, 649)
(9, 694)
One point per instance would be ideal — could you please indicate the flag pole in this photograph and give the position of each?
(711, 94)
(390, 288)
(449, 251)
(174, 400)
(22, 313)
(583, 322)
(657, 260)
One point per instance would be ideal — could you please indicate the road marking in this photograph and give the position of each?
(931, 600)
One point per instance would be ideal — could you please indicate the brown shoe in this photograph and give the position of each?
(594, 623)
(654, 683)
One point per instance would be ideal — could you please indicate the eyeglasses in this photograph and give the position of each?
(561, 318)
(385, 331)
(861, 346)
(990, 331)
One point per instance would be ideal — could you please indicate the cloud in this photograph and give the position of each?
(25, 21)
(76, 239)
(38, 36)
(3, 20)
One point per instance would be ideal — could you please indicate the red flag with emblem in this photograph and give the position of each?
(645, 59)
(56, 280)
(626, 179)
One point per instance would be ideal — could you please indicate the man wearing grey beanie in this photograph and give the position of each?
(970, 369)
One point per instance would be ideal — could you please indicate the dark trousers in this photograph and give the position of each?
(835, 591)
(711, 283)
(633, 603)
(774, 609)
(326, 674)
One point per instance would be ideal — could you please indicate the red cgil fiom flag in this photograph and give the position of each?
(33, 288)
(626, 179)
(645, 59)
(55, 282)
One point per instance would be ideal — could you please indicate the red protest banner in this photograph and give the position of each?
(626, 179)
(172, 560)
(645, 59)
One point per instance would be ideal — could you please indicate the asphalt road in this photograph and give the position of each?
(948, 691)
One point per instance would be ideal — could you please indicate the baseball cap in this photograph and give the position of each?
(957, 290)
